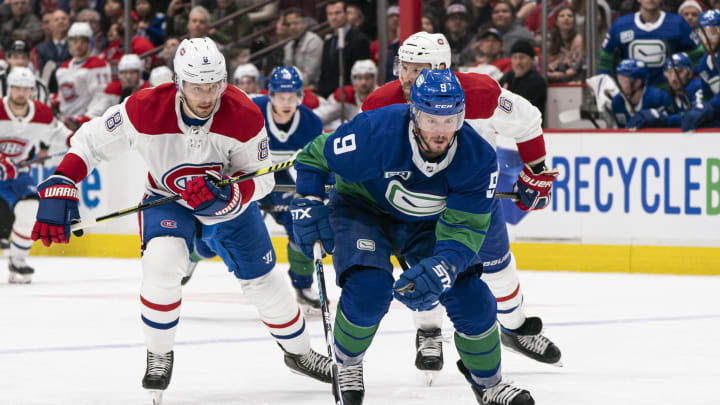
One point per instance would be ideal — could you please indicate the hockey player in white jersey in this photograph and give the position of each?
(246, 79)
(200, 130)
(364, 82)
(80, 77)
(490, 110)
(24, 124)
(18, 55)
(130, 81)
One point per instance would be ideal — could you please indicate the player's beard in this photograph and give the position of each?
(18, 102)
(427, 150)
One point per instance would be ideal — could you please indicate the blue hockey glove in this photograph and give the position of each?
(697, 116)
(57, 210)
(422, 284)
(207, 199)
(310, 223)
(646, 118)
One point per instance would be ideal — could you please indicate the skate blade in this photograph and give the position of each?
(558, 363)
(15, 278)
(429, 376)
(157, 396)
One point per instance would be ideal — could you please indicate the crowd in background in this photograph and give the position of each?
(500, 38)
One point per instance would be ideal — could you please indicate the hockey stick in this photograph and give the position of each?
(329, 337)
(40, 160)
(289, 188)
(617, 54)
(172, 198)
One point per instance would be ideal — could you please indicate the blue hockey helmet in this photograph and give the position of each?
(633, 68)
(710, 18)
(438, 93)
(285, 79)
(680, 60)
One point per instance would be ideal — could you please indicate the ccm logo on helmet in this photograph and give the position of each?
(443, 105)
(176, 179)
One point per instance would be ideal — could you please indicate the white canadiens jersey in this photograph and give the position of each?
(233, 141)
(79, 82)
(18, 135)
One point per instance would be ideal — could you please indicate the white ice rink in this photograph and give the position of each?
(73, 337)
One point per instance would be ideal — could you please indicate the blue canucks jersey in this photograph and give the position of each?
(376, 158)
(304, 128)
(652, 98)
(707, 71)
(648, 42)
(697, 92)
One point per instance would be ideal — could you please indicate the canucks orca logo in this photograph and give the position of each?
(176, 179)
(12, 147)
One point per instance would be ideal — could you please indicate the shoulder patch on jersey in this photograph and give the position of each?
(310, 99)
(481, 95)
(349, 94)
(238, 117)
(94, 62)
(114, 88)
(627, 36)
(387, 94)
(161, 101)
(43, 113)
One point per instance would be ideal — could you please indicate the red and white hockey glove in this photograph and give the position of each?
(206, 198)
(534, 188)
(8, 170)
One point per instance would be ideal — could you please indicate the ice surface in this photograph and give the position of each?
(73, 336)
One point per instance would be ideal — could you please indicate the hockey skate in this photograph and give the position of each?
(309, 300)
(158, 374)
(501, 394)
(429, 357)
(351, 384)
(529, 341)
(311, 364)
(19, 272)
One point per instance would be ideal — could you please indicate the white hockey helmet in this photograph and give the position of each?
(247, 69)
(130, 62)
(160, 75)
(199, 61)
(21, 77)
(422, 47)
(80, 29)
(364, 67)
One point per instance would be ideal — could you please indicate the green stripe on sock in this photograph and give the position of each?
(479, 352)
(352, 338)
(299, 264)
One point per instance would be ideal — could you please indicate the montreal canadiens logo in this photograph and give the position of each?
(168, 223)
(176, 179)
(12, 147)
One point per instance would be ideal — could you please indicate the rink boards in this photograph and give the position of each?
(642, 202)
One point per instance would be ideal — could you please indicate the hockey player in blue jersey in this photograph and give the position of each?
(290, 126)
(632, 79)
(687, 93)
(418, 179)
(707, 112)
(645, 35)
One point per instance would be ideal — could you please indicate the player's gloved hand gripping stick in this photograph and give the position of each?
(175, 197)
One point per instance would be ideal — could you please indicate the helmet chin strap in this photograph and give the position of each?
(425, 147)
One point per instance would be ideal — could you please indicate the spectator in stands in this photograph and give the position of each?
(116, 47)
(18, 55)
(231, 31)
(435, 8)
(393, 44)
(177, 18)
(649, 41)
(429, 24)
(113, 12)
(480, 12)
(75, 7)
(489, 55)
(246, 78)
(275, 58)
(457, 34)
(503, 19)
(524, 79)
(46, 25)
(198, 25)
(305, 49)
(56, 49)
(690, 10)
(168, 51)
(23, 23)
(150, 24)
(357, 47)
(355, 17)
(99, 41)
(565, 48)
